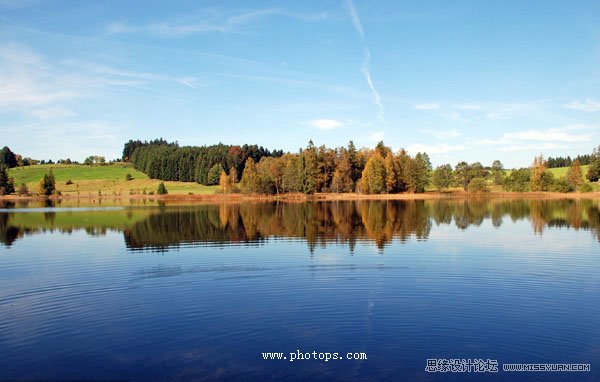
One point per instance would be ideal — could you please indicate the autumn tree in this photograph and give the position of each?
(342, 176)
(538, 168)
(391, 173)
(574, 174)
(373, 176)
(250, 180)
(225, 183)
(291, 180)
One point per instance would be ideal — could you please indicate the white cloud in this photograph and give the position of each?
(27, 81)
(53, 112)
(32, 85)
(365, 69)
(535, 147)
(557, 135)
(477, 110)
(326, 124)
(209, 22)
(434, 149)
(588, 105)
(540, 140)
(427, 106)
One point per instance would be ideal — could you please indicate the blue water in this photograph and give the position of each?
(78, 304)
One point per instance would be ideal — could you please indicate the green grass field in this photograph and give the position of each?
(108, 180)
(560, 172)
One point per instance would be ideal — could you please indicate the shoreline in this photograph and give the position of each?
(297, 197)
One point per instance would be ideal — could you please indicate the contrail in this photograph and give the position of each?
(365, 69)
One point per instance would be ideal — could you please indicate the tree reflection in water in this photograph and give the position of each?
(318, 223)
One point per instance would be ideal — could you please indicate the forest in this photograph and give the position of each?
(255, 170)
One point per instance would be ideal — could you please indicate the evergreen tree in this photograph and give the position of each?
(162, 189)
(7, 184)
(355, 166)
(309, 169)
(47, 184)
(420, 172)
(593, 173)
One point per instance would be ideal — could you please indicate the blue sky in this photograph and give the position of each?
(461, 80)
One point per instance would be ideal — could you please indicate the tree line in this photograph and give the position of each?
(252, 169)
(162, 160)
(584, 160)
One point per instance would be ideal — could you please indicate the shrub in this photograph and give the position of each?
(477, 185)
(68, 182)
(23, 189)
(128, 177)
(585, 187)
(562, 185)
(162, 190)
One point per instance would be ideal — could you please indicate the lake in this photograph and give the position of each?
(146, 291)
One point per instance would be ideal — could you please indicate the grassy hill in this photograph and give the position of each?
(560, 172)
(108, 179)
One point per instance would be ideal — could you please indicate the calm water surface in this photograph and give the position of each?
(177, 293)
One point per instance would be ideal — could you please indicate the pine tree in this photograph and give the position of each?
(7, 184)
(47, 184)
(309, 169)
(162, 189)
